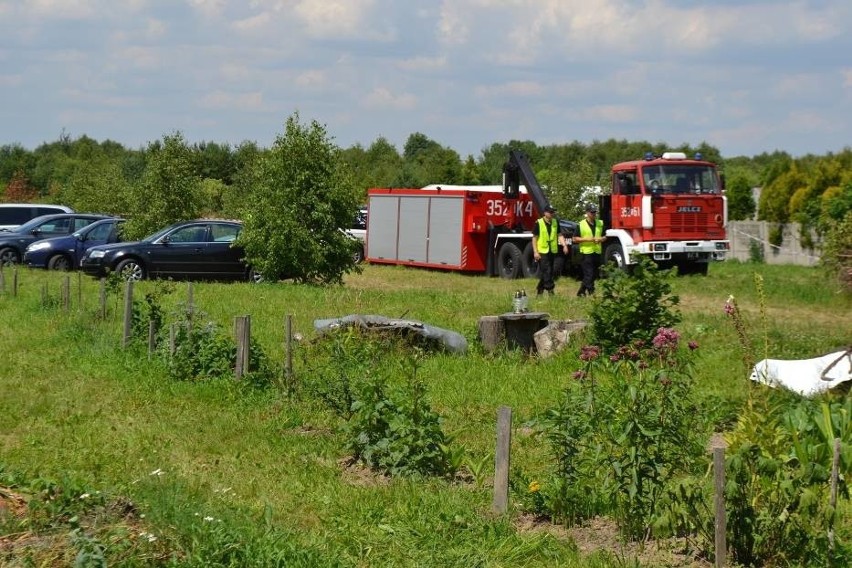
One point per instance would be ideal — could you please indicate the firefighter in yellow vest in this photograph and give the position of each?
(590, 239)
(545, 247)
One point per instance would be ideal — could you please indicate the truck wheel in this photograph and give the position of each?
(614, 254)
(509, 261)
(528, 263)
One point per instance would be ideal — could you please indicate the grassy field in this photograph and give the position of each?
(212, 473)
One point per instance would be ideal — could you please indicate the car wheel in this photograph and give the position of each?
(615, 255)
(254, 276)
(59, 262)
(358, 255)
(9, 256)
(130, 269)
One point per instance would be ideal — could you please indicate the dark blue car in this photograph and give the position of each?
(14, 243)
(64, 253)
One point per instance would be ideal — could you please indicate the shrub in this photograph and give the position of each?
(395, 431)
(625, 429)
(202, 352)
(632, 306)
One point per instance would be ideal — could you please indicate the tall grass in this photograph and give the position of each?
(269, 470)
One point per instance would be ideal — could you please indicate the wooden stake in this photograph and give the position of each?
(501, 460)
(721, 522)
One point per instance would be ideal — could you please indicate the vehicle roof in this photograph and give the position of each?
(43, 218)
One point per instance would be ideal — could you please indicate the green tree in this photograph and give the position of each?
(303, 195)
(741, 204)
(97, 186)
(569, 189)
(170, 190)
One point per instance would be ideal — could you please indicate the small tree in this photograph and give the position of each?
(632, 306)
(301, 197)
(741, 204)
(170, 190)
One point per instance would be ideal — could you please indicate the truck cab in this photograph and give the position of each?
(669, 207)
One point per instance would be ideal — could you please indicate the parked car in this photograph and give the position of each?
(202, 248)
(358, 231)
(14, 243)
(13, 215)
(65, 253)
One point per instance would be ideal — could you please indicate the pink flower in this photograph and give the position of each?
(578, 375)
(589, 352)
(730, 306)
(666, 338)
(692, 345)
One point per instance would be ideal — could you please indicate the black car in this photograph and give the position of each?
(14, 243)
(199, 249)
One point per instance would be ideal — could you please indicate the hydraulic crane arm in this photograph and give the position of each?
(517, 171)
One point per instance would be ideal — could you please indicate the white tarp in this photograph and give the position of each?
(805, 376)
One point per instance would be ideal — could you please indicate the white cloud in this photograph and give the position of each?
(253, 23)
(208, 8)
(11, 80)
(65, 9)
(382, 98)
(232, 101)
(423, 63)
(314, 78)
(333, 19)
(612, 113)
(522, 89)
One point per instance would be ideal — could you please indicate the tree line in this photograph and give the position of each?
(172, 179)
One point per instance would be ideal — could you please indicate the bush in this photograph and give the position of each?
(202, 352)
(395, 431)
(624, 430)
(632, 306)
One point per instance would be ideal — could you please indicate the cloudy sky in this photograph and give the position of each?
(746, 76)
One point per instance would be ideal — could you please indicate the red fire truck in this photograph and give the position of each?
(667, 207)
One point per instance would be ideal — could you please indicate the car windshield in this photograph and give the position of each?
(31, 224)
(153, 237)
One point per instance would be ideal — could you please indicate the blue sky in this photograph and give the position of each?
(746, 76)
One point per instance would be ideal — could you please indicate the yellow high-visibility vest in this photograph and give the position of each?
(547, 239)
(586, 232)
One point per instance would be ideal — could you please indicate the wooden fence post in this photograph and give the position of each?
(79, 290)
(2, 280)
(288, 349)
(242, 331)
(14, 281)
(128, 314)
(172, 339)
(66, 293)
(102, 298)
(44, 295)
(832, 500)
(719, 501)
(190, 304)
(501, 460)
(152, 337)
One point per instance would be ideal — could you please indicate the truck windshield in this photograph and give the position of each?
(680, 179)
